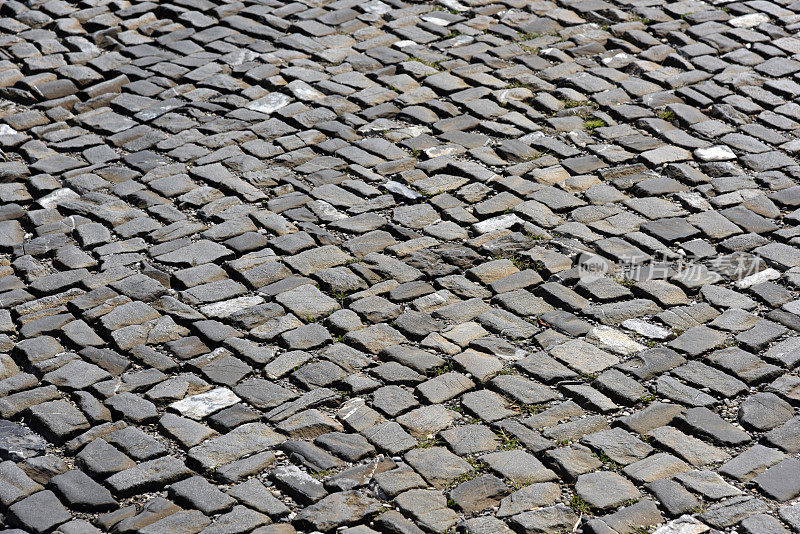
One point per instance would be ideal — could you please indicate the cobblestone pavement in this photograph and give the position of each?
(273, 266)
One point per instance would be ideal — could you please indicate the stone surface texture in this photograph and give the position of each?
(395, 266)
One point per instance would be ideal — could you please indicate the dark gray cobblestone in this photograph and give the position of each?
(399, 266)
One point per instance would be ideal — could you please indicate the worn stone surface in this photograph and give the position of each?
(343, 508)
(603, 489)
(399, 266)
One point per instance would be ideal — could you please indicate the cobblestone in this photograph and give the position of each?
(399, 266)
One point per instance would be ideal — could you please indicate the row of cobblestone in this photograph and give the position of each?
(274, 266)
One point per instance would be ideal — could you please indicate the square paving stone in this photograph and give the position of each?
(619, 446)
(605, 489)
(437, 465)
(518, 466)
(40, 513)
(781, 481)
(58, 420)
(82, 493)
(654, 467)
(470, 439)
(307, 302)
